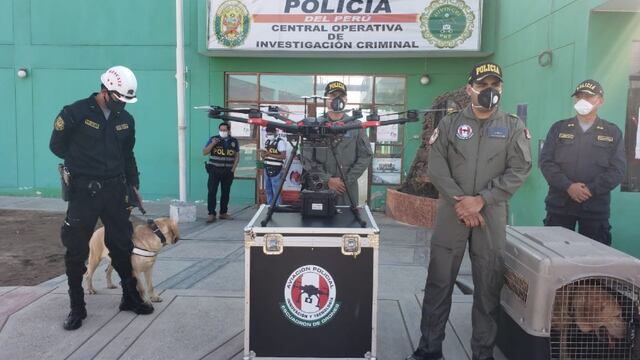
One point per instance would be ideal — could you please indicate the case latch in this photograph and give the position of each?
(273, 244)
(351, 244)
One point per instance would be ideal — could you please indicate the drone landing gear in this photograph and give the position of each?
(283, 174)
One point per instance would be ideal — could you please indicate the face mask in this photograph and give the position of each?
(270, 137)
(114, 105)
(223, 134)
(337, 104)
(488, 98)
(583, 107)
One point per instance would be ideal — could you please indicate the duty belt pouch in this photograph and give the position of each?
(65, 182)
(318, 203)
(208, 167)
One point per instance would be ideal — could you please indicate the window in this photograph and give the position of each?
(385, 93)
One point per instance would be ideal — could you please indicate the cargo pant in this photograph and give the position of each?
(85, 207)
(448, 245)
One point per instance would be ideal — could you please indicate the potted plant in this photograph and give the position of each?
(415, 201)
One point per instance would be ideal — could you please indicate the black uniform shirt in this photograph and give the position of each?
(93, 146)
(594, 157)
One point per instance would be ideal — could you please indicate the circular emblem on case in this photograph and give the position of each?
(310, 297)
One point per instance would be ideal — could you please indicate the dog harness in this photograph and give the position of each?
(156, 230)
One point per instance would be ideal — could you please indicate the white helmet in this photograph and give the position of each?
(121, 81)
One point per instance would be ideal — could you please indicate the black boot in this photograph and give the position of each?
(78, 310)
(131, 300)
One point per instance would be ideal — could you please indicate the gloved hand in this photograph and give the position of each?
(134, 199)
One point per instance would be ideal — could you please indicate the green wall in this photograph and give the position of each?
(584, 45)
(67, 45)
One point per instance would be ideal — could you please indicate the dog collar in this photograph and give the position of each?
(142, 252)
(154, 227)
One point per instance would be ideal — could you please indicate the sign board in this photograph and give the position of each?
(293, 27)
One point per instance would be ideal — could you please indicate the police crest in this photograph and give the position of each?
(59, 124)
(447, 23)
(231, 23)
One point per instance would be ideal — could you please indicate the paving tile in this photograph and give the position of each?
(199, 324)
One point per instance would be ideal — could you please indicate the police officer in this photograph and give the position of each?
(479, 157)
(353, 151)
(223, 150)
(583, 160)
(273, 156)
(95, 137)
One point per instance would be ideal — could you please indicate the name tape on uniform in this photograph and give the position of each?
(566, 136)
(605, 138)
(93, 124)
(498, 132)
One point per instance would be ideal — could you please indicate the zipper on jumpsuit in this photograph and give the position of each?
(475, 173)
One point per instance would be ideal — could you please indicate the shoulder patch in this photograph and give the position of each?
(59, 124)
(434, 136)
(514, 116)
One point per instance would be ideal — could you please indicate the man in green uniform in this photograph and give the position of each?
(352, 151)
(479, 157)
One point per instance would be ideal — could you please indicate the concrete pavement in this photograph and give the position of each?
(201, 280)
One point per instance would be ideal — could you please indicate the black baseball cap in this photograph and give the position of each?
(484, 69)
(334, 86)
(590, 87)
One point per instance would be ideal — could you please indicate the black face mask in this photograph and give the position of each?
(114, 105)
(337, 104)
(488, 98)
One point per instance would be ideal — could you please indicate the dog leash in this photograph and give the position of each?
(152, 226)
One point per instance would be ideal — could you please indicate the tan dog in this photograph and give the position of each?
(143, 238)
(591, 308)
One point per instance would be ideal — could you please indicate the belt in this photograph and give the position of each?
(103, 181)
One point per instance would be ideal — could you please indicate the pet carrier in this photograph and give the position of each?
(566, 296)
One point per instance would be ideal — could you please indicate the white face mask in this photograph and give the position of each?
(583, 107)
(270, 137)
(223, 134)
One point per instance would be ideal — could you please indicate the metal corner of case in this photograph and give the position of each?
(249, 239)
(374, 239)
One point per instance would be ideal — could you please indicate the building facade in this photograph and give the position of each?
(545, 48)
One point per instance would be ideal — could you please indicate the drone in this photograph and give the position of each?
(313, 132)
